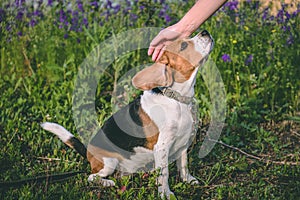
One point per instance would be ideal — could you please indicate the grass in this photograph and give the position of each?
(38, 72)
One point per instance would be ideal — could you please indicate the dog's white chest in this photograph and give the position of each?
(175, 124)
(174, 120)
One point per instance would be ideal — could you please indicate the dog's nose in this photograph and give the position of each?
(204, 33)
(204, 38)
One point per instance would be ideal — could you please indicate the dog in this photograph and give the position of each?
(157, 127)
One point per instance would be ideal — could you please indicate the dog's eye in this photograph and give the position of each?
(183, 46)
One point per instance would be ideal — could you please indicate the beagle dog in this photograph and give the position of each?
(155, 128)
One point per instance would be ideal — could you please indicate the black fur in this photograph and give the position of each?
(122, 131)
(183, 46)
(78, 146)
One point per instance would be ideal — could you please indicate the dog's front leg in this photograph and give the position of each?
(182, 165)
(161, 153)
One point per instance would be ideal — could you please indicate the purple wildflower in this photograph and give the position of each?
(286, 28)
(32, 22)
(50, 2)
(287, 16)
(108, 4)
(231, 5)
(265, 14)
(37, 13)
(249, 60)
(161, 13)
(127, 10)
(133, 17)
(280, 16)
(94, 4)
(226, 58)
(62, 18)
(168, 19)
(116, 8)
(142, 7)
(80, 6)
(85, 22)
(295, 13)
(20, 15)
(128, 2)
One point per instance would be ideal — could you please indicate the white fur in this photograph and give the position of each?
(138, 161)
(58, 130)
(110, 165)
(186, 88)
(202, 45)
(182, 166)
(104, 182)
(174, 121)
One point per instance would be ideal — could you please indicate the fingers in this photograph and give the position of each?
(157, 45)
(151, 50)
(156, 52)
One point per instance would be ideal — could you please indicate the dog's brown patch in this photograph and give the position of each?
(95, 157)
(182, 68)
(150, 129)
(182, 61)
(177, 63)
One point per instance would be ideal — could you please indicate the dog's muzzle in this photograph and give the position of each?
(205, 41)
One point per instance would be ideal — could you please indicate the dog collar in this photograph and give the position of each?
(168, 92)
(190, 101)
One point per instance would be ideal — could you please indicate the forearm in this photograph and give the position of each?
(200, 12)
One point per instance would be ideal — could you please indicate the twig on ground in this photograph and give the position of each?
(256, 157)
(295, 132)
(53, 159)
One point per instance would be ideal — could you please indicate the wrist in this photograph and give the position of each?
(184, 28)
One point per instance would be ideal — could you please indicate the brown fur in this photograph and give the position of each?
(150, 129)
(182, 62)
(182, 68)
(174, 65)
(95, 157)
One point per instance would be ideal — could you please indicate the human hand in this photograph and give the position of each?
(185, 27)
(165, 37)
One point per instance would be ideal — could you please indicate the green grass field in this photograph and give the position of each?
(42, 48)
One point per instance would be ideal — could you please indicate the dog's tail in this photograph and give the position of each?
(68, 138)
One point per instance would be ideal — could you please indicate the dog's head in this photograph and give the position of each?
(177, 63)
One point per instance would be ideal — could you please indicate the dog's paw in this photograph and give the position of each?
(102, 181)
(166, 193)
(191, 180)
(93, 177)
(107, 183)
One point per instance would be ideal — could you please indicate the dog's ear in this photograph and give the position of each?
(157, 75)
